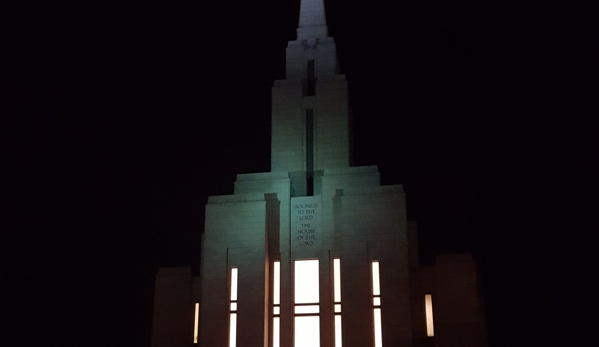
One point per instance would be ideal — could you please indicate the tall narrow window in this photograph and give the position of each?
(233, 309)
(376, 303)
(428, 307)
(337, 299)
(276, 305)
(196, 322)
(310, 151)
(307, 320)
(311, 79)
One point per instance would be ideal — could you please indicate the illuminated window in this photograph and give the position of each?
(307, 320)
(428, 307)
(276, 305)
(276, 331)
(337, 299)
(376, 303)
(196, 322)
(233, 309)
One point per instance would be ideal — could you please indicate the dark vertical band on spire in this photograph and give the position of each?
(310, 151)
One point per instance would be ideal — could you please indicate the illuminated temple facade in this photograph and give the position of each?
(315, 252)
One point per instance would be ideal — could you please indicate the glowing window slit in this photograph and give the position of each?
(428, 304)
(233, 309)
(196, 322)
(338, 330)
(276, 301)
(277, 283)
(276, 328)
(337, 300)
(378, 333)
(376, 289)
(234, 284)
(337, 279)
(376, 301)
(233, 330)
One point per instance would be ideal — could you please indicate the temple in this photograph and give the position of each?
(315, 252)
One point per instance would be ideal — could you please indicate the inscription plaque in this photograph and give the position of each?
(306, 231)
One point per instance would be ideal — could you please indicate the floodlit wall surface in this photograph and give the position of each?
(355, 219)
(373, 227)
(234, 236)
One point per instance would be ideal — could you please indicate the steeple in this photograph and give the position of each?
(310, 107)
(312, 21)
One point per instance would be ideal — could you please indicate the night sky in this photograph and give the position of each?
(123, 118)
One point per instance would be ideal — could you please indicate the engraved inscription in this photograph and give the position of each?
(305, 224)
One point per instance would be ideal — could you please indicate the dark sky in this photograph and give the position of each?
(125, 116)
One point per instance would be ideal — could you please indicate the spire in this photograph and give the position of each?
(312, 13)
(312, 21)
(310, 107)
